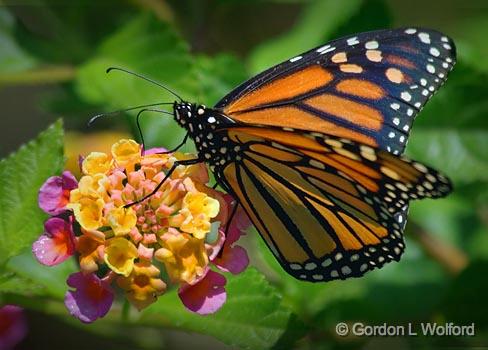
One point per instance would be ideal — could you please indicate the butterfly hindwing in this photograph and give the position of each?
(328, 208)
(368, 87)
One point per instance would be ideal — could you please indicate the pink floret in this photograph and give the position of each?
(205, 297)
(54, 193)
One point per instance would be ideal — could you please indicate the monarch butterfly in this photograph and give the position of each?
(311, 149)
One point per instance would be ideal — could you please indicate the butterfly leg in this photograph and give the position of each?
(232, 214)
(139, 128)
(177, 147)
(168, 174)
(139, 114)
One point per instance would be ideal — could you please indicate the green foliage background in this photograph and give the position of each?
(53, 55)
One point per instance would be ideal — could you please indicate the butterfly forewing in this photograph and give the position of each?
(367, 87)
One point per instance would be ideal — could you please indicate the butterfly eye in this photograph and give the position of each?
(177, 113)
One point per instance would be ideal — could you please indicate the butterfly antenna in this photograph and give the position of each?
(94, 118)
(146, 79)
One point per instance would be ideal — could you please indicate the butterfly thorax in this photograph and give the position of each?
(202, 125)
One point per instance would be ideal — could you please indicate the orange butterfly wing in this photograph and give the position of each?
(367, 88)
(327, 207)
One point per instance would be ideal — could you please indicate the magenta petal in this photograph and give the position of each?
(13, 326)
(69, 181)
(232, 259)
(46, 253)
(91, 299)
(243, 221)
(214, 249)
(50, 195)
(238, 226)
(155, 150)
(54, 193)
(56, 244)
(205, 297)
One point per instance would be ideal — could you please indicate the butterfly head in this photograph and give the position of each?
(189, 116)
(198, 119)
(184, 113)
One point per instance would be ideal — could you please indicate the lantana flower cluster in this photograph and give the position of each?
(179, 232)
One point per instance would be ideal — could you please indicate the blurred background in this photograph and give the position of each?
(53, 56)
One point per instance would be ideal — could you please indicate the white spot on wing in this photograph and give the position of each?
(434, 52)
(424, 37)
(295, 267)
(353, 41)
(371, 45)
(406, 96)
(323, 48)
(430, 68)
(330, 49)
(326, 262)
(310, 266)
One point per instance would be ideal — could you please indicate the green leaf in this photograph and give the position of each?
(48, 280)
(253, 316)
(460, 154)
(21, 176)
(370, 15)
(478, 243)
(67, 34)
(470, 41)
(305, 298)
(460, 104)
(316, 23)
(12, 58)
(446, 217)
(12, 284)
(451, 133)
(151, 48)
(218, 75)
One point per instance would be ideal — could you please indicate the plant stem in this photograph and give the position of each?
(452, 259)
(46, 75)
